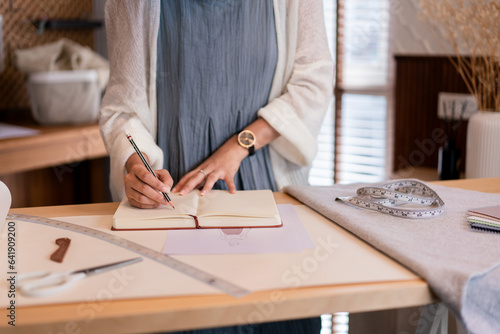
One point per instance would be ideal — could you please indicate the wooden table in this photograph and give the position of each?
(175, 313)
(55, 145)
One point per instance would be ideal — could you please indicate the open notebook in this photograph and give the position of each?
(217, 209)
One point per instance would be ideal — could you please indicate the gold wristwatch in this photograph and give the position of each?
(246, 139)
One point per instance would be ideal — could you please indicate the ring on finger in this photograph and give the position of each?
(204, 173)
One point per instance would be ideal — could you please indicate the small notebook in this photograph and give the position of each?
(485, 219)
(217, 209)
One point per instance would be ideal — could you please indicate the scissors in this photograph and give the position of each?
(43, 283)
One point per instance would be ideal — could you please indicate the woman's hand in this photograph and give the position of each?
(222, 165)
(225, 162)
(142, 188)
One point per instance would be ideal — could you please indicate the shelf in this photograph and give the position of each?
(43, 24)
(55, 145)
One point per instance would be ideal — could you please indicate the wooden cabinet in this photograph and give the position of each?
(61, 165)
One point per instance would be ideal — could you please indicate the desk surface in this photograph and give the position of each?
(174, 313)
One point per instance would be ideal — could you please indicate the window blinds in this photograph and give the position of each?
(356, 124)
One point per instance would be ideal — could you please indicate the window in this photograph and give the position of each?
(322, 170)
(353, 142)
(361, 156)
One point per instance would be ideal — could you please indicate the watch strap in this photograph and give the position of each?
(251, 150)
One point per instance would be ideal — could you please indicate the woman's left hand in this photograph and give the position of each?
(222, 165)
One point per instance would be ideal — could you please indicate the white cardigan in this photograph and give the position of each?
(301, 89)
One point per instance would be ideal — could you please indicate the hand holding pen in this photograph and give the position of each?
(140, 196)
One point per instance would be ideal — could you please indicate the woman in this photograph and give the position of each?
(285, 124)
(188, 78)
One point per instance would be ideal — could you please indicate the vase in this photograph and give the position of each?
(483, 145)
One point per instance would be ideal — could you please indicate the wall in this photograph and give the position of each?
(20, 33)
(423, 70)
(83, 181)
(100, 41)
(413, 35)
(418, 131)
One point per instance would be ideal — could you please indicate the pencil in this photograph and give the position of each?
(145, 162)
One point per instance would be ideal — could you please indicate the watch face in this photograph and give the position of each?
(246, 138)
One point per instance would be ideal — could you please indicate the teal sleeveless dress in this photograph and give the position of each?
(216, 62)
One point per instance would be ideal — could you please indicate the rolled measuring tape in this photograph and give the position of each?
(402, 198)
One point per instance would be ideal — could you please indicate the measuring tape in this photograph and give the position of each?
(164, 259)
(404, 198)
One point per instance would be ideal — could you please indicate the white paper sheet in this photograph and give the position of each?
(292, 237)
(14, 131)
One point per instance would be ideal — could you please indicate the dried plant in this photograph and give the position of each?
(472, 29)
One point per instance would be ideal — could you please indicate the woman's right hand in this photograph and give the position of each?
(142, 188)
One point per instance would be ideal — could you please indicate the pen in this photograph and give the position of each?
(145, 162)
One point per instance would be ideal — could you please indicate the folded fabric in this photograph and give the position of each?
(63, 55)
(460, 265)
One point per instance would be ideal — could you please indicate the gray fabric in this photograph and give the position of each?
(481, 301)
(442, 250)
(216, 62)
